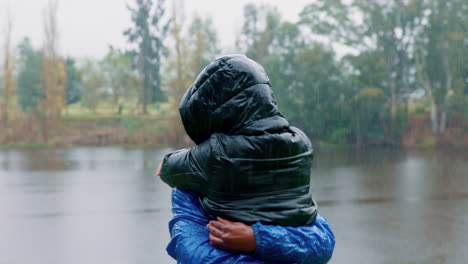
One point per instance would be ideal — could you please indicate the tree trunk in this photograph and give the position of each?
(5, 114)
(358, 130)
(422, 77)
(434, 123)
(144, 97)
(443, 121)
(448, 86)
(393, 112)
(145, 108)
(393, 105)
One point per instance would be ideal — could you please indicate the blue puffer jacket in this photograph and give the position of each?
(309, 244)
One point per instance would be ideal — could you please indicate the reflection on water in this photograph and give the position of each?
(83, 205)
(389, 206)
(104, 205)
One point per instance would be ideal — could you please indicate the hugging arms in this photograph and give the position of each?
(190, 242)
(196, 239)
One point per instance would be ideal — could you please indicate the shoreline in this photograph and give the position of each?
(156, 132)
(326, 146)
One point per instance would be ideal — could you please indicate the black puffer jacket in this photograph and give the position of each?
(249, 164)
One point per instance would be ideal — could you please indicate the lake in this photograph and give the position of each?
(105, 205)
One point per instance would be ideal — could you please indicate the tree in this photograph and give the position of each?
(147, 34)
(319, 91)
(304, 76)
(194, 47)
(202, 43)
(365, 79)
(440, 51)
(275, 44)
(30, 90)
(258, 31)
(74, 88)
(53, 76)
(8, 71)
(119, 77)
(179, 70)
(93, 82)
(386, 27)
(282, 67)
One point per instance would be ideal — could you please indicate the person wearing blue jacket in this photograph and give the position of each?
(249, 171)
(190, 243)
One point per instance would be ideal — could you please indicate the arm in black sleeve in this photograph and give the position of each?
(187, 168)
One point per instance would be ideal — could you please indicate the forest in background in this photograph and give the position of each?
(405, 83)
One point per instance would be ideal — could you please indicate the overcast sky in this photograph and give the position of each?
(87, 27)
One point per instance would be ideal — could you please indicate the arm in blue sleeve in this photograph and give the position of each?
(310, 244)
(186, 168)
(189, 235)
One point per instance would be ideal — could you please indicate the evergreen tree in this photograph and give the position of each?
(74, 86)
(147, 34)
(30, 90)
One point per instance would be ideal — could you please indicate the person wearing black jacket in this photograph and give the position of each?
(249, 164)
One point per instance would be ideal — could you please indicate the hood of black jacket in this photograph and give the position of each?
(232, 95)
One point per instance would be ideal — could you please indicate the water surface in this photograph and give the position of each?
(104, 205)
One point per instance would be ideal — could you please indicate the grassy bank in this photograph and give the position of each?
(79, 126)
(23, 146)
(96, 130)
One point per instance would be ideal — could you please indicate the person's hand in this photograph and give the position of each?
(158, 170)
(232, 236)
